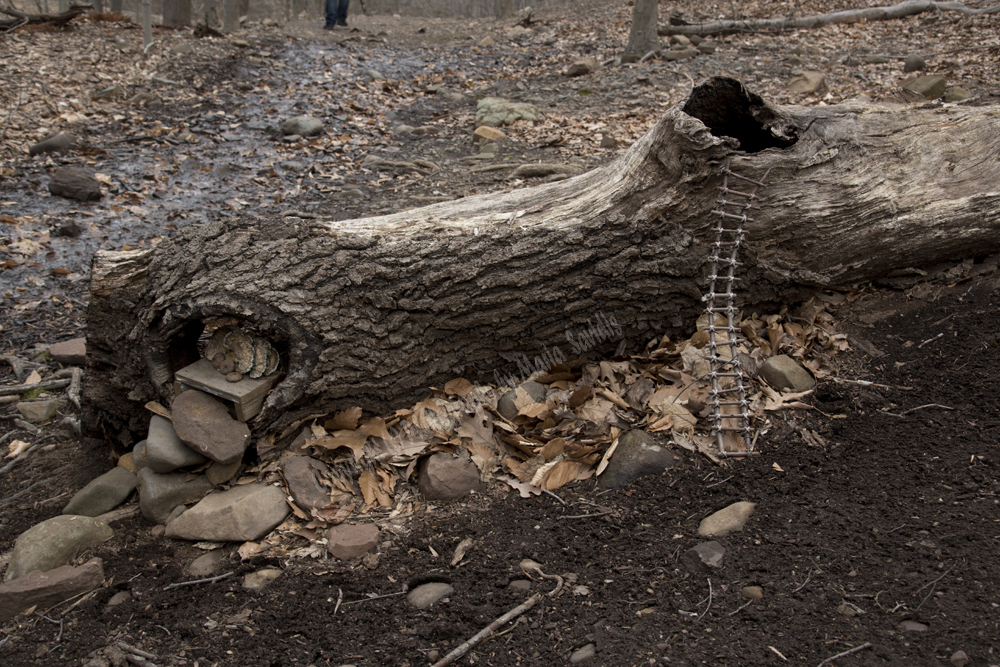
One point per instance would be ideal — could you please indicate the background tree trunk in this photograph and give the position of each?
(368, 312)
(642, 36)
(176, 13)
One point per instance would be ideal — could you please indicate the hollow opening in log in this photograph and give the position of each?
(728, 109)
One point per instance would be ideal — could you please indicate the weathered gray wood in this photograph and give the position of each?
(368, 312)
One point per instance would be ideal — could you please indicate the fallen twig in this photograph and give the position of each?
(20, 493)
(210, 580)
(554, 496)
(73, 392)
(931, 340)
(340, 598)
(17, 365)
(808, 577)
(722, 482)
(377, 597)
(588, 516)
(11, 390)
(929, 405)
(848, 652)
(488, 630)
(741, 608)
(868, 383)
(932, 584)
(135, 651)
(709, 600)
(27, 426)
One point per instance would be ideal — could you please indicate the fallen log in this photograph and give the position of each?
(368, 312)
(783, 24)
(23, 18)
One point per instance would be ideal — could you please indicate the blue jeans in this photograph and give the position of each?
(336, 11)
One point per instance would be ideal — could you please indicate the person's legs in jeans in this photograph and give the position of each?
(331, 14)
(342, 11)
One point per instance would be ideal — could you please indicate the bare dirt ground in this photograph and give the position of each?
(877, 510)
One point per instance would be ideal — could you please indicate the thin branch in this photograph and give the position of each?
(488, 630)
(929, 405)
(709, 600)
(848, 652)
(377, 597)
(932, 584)
(199, 581)
(12, 390)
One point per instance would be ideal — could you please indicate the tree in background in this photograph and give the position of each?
(642, 37)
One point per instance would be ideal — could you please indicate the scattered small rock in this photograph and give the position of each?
(680, 40)
(956, 94)
(727, 520)
(203, 423)
(103, 494)
(206, 564)
(67, 229)
(109, 93)
(785, 374)
(240, 514)
(119, 598)
(520, 585)
(506, 407)
(929, 87)
(707, 46)
(374, 75)
(807, 83)
(353, 193)
(348, 541)
(607, 141)
(59, 142)
(495, 112)
(73, 183)
(424, 595)
(959, 659)
(914, 63)
(487, 42)
(583, 654)
(39, 412)
(876, 60)
(44, 589)
(446, 476)
(256, 581)
(234, 377)
(486, 133)
(220, 473)
(164, 450)
(638, 454)
(303, 126)
(54, 543)
(755, 592)
(72, 352)
(581, 67)
(913, 626)
(705, 557)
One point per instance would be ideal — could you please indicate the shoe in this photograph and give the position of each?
(342, 22)
(328, 27)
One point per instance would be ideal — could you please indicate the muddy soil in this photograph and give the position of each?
(876, 511)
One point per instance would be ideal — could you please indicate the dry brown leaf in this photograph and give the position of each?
(525, 489)
(535, 411)
(248, 549)
(344, 421)
(478, 427)
(375, 428)
(16, 448)
(33, 378)
(562, 473)
(353, 440)
(459, 387)
(158, 409)
(336, 512)
(388, 482)
(553, 448)
(780, 401)
(371, 490)
(614, 398)
(420, 419)
(296, 510)
(462, 549)
(484, 458)
(580, 396)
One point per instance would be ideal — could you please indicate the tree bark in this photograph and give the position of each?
(642, 37)
(176, 13)
(368, 312)
(902, 10)
(22, 18)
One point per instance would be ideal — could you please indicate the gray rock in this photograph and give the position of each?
(54, 543)
(707, 46)
(72, 352)
(637, 455)
(785, 374)
(807, 83)
(164, 450)
(203, 423)
(956, 94)
(207, 564)
(914, 63)
(930, 87)
(876, 60)
(73, 183)
(220, 473)
(581, 67)
(303, 126)
(103, 494)
(727, 520)
(496, 112)
(424, 595)
(447, 476)
(583, 654)
(44, 589)
(67, 229)
(959, 659)
(160, 494)
(913, 626)
(39, 412)
(755, 592)
(706, 557)
(59, 142)
(347, 541)
(242, 513)
(109, 93)
(294, 166)
(403, 129)
(520, 585)
(506, 405)
(174, 513)
(256, 581)
(353, 193)
(302, 474)
(374, 75)
(680, 40)
(453, 97)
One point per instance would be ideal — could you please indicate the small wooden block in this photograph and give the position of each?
(247, 395)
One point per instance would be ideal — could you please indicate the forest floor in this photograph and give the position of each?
(878, 511)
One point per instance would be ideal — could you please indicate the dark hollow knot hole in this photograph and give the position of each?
(728, 109)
